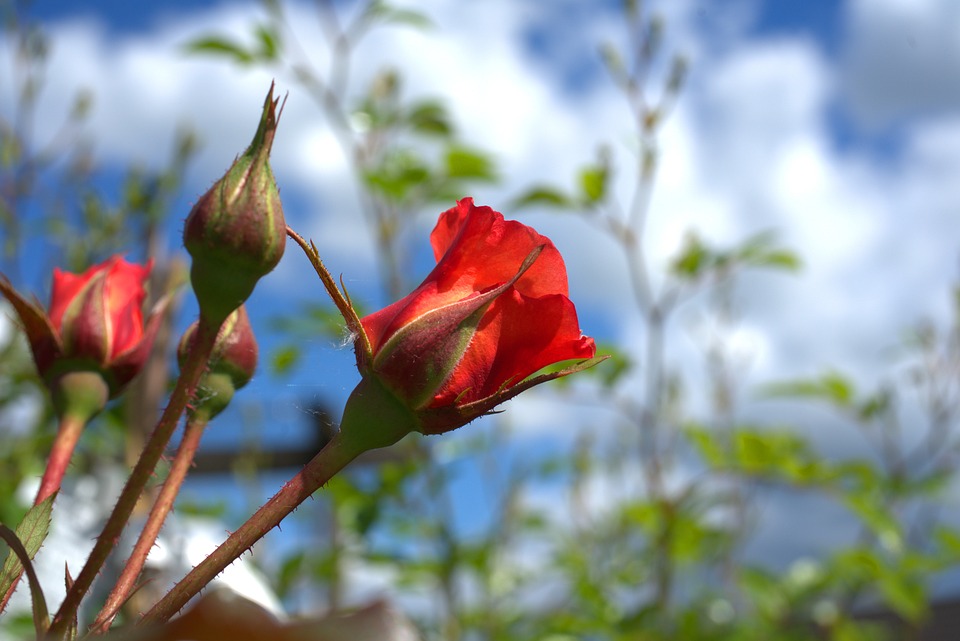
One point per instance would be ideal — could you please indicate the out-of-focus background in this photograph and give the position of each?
(757, 203)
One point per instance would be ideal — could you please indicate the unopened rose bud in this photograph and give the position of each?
(95, 324)
(493, 312)
(232, 362)
(236, 232)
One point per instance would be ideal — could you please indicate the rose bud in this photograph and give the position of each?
(492, 313)
(232, 362)
(95, 326)
(236, 231)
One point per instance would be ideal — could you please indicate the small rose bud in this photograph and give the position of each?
(236, 232)
(95, 324)
(232, 362)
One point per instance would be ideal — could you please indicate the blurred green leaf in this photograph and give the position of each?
(949, 539)
(927, 485)
(765, 591)
(779, 454)
(873, 406)
(206, 509)
(593, 183)
(468, 164)
(708, 445)
(220, 46)
(759, 251)
(430, 117)
(284, 359)
(694, 258)
(613, 61)
(269, 40)
(290, 571)
(544, 196)
(832, 387)
(878, 518)
(905, 595)
(398, 174)
(383, 12)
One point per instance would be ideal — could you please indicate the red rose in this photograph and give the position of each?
(493, 312)
(95, 318)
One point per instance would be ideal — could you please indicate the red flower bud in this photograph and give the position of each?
(493, 312)
(234, 352)
(95, 323)
(236, 232)
(232, 362)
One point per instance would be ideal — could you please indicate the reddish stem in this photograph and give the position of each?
(164, 503)
(186, 386)
(330, 460)
(71, 426)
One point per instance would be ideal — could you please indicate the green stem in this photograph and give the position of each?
(330, 460)
(164, 503)
(186, 386)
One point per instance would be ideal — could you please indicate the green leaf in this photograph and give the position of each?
(879, 519)
(874, 406)
(284, 359)
(613, 61)
(209, 510)
(431, 118)
(383, 12)
(758, 251)
(32, 531)
(905, 595)
(545, 196)
(290, 571)
(618, 365)
(269, 41)
(832, 387)
(220, 46)
(464, 163)
(707, 444)
(24, 544)
(593, 183)
(949, 540)
(780, 259)
(765, 591)
(694, 258)
(780, 454)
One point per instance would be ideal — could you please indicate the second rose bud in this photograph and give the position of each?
(232, 363)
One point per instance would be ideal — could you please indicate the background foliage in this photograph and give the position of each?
(635, 545)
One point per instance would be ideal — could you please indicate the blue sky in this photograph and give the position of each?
(836, 124)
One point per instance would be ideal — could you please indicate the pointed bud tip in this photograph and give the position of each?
(236, 231)
(269, 120)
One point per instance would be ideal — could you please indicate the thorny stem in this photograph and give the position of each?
(182, 462)
(186, 386)
(330, 460)
(71, 426)
(340, 299)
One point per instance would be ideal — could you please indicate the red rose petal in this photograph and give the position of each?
(517, 337)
